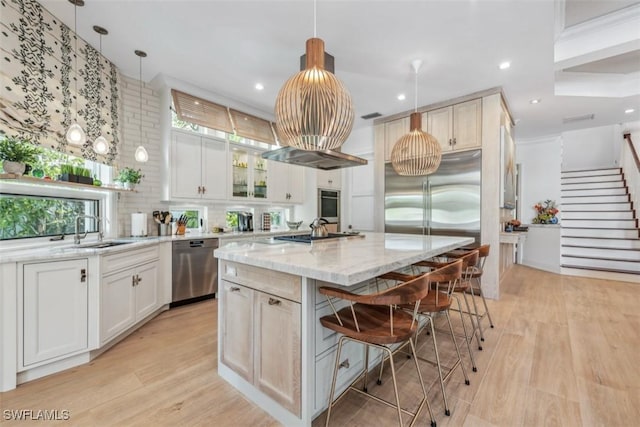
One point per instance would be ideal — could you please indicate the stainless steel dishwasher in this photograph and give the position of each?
(195, 270)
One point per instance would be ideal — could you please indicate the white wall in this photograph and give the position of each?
(539, 161)
(542, 248)
(593, 148)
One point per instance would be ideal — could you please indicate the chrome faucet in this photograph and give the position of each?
(77, 237)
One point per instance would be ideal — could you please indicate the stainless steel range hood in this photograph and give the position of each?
(322, 159)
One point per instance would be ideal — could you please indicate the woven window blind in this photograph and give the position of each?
(252, 127)
(201, 112)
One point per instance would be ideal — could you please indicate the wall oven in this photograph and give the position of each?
(329, 205)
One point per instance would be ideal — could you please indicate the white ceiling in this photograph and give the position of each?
(226, 47)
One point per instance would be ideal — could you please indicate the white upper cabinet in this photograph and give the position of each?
(198, 167)
(286, 183)
(331, 179)
(456, 127)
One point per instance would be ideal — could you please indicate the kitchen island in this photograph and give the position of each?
(271, 345)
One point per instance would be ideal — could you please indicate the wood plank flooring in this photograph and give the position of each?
(564, 353)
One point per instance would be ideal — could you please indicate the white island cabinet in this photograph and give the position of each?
(272, 346)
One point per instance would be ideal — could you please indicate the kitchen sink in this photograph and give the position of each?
(101, 245)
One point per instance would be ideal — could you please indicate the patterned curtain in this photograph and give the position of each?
(38, 83)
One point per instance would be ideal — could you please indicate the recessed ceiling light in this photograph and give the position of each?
(535, 101)
(504, 65)
(196, 102)
(401, 97)
(629, 110)
(259, 86)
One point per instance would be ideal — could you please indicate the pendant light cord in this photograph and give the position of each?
(75, 56)
(315, 12)
(141, 100)
(415, 94)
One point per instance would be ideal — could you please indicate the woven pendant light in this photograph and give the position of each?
(417, 152)
(313, 109)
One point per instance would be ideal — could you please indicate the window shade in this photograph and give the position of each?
(252, 127)
(201, 112)
(38, 91)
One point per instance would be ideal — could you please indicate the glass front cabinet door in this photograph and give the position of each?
(249, 174)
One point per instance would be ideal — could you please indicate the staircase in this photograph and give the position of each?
(599, 223)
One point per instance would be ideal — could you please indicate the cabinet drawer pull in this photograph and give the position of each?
(450, 142)
(454, 141)
(138, 279)
(273, 301)
(204, 190)
(344, 364)
(199, 189)
(234, 289)
(133, 281)
(83, 275)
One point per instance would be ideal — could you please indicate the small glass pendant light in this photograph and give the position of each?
(141, 154)
(75, 134)
(100, 144)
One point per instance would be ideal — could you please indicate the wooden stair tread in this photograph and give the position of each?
(600, 258)
(599, 247)
(608, 270)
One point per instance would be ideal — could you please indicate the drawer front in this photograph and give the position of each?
(122, 260)
(272, 282)
(352, 361)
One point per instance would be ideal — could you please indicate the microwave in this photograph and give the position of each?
(329, 205)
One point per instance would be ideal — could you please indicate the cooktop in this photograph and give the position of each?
(307, 238)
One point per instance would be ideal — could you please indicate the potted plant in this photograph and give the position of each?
(67, 173)
(129, 177)
(16, 153)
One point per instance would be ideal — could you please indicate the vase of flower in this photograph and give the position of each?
(546, 212)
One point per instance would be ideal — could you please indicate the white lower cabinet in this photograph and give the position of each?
(127, 296)
(55, 310)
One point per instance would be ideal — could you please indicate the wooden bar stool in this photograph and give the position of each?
(476, 285)
(461, 287)
(377, 321)
(438, 302)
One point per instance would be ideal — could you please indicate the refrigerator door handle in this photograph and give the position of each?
(424, 207)
(429, 212)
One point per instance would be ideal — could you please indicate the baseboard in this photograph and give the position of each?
(551, 268)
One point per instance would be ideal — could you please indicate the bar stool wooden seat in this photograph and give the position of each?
(376, 320)
(434, 303)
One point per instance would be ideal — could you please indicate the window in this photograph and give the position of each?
(27, 216)
(196, 216)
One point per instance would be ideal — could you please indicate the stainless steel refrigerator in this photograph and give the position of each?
(446, 202)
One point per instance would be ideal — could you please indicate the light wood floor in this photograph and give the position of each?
(565, 351)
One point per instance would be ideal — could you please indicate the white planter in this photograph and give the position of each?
(16, 168)
(128, 185)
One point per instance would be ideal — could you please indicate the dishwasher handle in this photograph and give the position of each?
(196, 243)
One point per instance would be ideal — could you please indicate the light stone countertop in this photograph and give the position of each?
(345, 261)
(65, 249)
